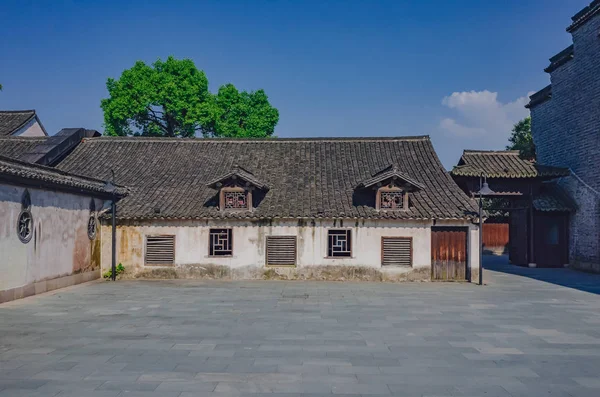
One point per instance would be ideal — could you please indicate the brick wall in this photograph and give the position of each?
(566, 131)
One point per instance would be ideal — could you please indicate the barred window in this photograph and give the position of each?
(339, 243)
(220, 243)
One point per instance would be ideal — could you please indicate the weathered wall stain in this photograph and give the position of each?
(249, 242)
(59, 246)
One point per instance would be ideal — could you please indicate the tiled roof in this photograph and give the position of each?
(502, 164)
(307, 178)
(15, 170)
(553, 198)
(12, 120)
(16, 146)
(241, 174)
(584, 15)
(391, 171)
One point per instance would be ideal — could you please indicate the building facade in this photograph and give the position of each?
(566, 131)
(49, 232)
(368, 208)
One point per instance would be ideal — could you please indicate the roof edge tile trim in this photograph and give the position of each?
(543, 95)
(561, 58)
(11, 169)
(584, 15)
(503, 164)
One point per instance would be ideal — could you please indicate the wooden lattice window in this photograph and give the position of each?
(220, 243)
(160, 251)
(235, 199)
(281, 250)
(391, 198)
(339, 243)
(396, 251)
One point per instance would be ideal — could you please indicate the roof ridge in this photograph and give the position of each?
(18, 111)
(262, 140)
(506, 152)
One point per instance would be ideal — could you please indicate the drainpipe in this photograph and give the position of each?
(114, 238)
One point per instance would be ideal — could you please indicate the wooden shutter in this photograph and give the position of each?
(396, 251)
(160, 251)
(281, 250)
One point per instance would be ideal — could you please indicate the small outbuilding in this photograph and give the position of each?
(537, 228)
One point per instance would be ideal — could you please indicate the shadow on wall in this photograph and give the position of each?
(564, 277)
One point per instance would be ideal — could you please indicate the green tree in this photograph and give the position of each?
(522, 140)
(171, 99)
(240, 114)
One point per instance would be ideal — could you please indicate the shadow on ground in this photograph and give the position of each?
(564, 277)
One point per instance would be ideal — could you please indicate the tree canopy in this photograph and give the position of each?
(522, 140)
(172, 99)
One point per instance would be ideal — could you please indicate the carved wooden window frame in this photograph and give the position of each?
(331, 253)
(224, 190)
(212, 252)
(391, 189)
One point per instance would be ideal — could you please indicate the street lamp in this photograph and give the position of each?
(484, 190)
(110, 187)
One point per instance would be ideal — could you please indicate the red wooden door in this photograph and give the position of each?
(448, 253)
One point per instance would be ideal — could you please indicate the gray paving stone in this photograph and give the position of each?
(529, 332)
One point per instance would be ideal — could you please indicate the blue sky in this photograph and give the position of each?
(456, 70)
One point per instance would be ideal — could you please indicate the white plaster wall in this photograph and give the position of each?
(32, 128)
(60, 245)
(249, 239)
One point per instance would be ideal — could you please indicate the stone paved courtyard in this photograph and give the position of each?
(529, 332)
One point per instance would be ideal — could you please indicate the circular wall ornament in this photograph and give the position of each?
(25, 226)
(92, 227)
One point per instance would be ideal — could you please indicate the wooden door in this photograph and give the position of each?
(449, 253)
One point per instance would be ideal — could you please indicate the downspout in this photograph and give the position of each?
(114, 238)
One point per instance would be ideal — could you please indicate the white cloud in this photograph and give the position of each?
(481, 115)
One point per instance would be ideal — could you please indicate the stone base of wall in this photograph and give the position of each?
(47, 285)
(317, 273)
(589, 267)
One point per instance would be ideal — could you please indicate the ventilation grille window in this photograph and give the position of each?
(397, 251)
(160, 250)
(281, 250)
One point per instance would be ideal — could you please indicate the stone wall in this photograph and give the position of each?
(249, 256)
(566, 131)
(59, 246)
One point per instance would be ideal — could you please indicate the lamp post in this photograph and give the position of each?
(111, 188)
(484, 189)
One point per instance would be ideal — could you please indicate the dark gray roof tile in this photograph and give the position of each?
(307, 178)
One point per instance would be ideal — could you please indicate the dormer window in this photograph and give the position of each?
(391, 198)
(235, 189)
(391, 187)
(235, 198)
